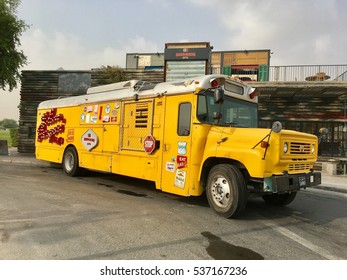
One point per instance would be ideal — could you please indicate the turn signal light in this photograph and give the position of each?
(264, 144)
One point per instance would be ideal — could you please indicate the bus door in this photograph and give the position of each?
(177, 144)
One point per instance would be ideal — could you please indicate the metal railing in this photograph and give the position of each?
(290, 73)
(295, 73)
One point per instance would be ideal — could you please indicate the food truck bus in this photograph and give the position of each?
(189, 137)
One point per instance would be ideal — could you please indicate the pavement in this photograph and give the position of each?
(336, 183)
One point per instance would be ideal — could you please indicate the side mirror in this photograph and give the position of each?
(277, 127)
(218, 96)
(323, 131)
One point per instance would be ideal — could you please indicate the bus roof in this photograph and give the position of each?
(135, 89)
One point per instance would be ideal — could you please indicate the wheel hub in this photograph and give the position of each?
(69, 162)
(221, 192)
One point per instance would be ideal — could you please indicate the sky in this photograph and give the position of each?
(85, 34)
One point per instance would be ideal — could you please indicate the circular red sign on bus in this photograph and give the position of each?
(149, 144)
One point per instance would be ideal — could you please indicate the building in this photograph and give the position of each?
(182, 60)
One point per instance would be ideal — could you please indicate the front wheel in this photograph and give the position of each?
(279, 199)
(70, 162)
(226, 190)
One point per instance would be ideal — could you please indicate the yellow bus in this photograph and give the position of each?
(189, 137)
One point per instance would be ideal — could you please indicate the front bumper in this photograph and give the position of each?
(291, 182)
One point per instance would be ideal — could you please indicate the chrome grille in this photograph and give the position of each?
(297, 148)
(298, 166)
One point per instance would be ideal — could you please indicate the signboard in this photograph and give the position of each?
(180, 178)
(181, 161)
(144, 60)
(149, 144)
(187, 54)
(89, 139)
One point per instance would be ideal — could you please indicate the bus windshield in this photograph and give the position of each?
(232, 111)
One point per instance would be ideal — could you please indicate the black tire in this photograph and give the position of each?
(226, 190)
(279, 199)
(70, 162)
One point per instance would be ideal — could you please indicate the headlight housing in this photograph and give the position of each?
(285, 147)
(313, 148)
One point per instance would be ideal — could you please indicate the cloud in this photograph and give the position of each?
(140, 44)
(50, 51)
(298, 32)
(160, 3)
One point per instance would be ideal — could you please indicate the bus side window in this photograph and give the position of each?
(184, 118)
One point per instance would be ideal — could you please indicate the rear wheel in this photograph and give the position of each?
(70, 162)
(279, 199)
(226, 190)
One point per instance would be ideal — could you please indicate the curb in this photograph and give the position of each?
(31, 161)
(330, 188)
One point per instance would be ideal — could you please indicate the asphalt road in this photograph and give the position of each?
(45, 214)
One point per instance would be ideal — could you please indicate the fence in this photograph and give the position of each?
(290, 73)
(294, 73)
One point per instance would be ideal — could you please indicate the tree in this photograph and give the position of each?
(110, 74)
(11, 59)
(8, 123)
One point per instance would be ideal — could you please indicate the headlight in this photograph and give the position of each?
(285, 147)
(313, 149)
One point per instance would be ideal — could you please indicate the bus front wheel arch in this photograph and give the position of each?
(70, 162)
